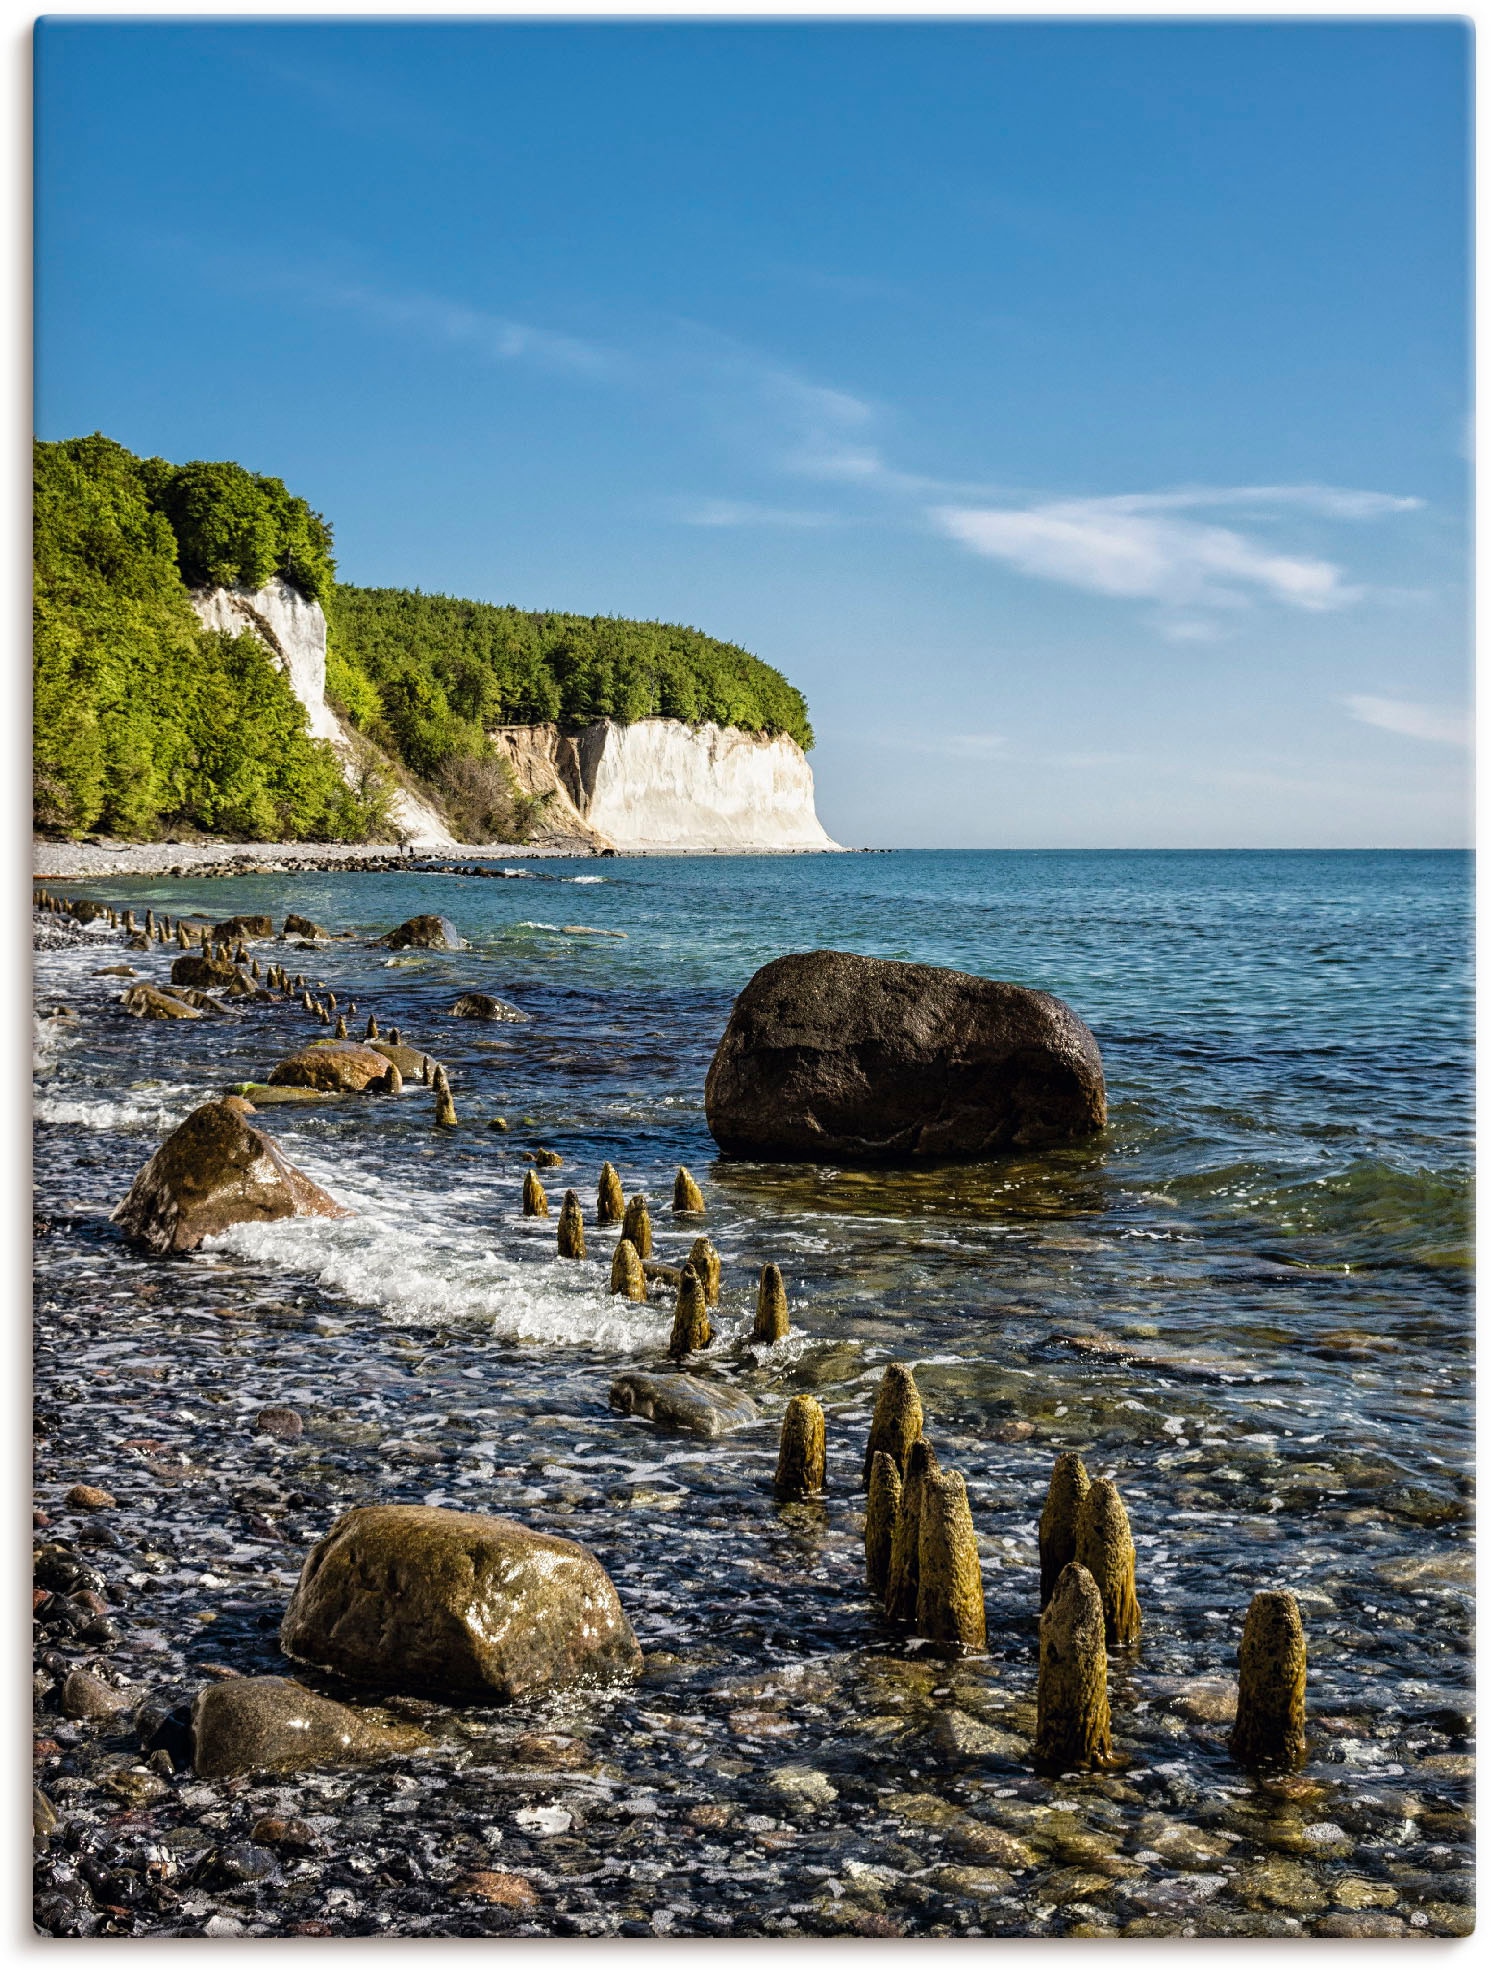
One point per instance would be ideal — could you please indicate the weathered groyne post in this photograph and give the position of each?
(802, 1457)
(905, 1545)
(627, 1276)
(535, 1201)
(691, 1321)
(1072, 1730)
(950, 1582)
(610, 1203)
(445, 1107)
(881, 1508)
(637, 1226)
(897, 1421)
(687, 1195)
(771, 1321)
(571, 1235)
(706, 1262)
(1105, 1547)
(1270, 1727)
(1058, 1528)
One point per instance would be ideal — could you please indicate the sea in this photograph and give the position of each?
(1247, 1301)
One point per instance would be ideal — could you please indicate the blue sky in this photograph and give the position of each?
(1078, 413)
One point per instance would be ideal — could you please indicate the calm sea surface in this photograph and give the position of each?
(1248, 1302)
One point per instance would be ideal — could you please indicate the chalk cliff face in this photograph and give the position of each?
(293, 629)
(659, 785)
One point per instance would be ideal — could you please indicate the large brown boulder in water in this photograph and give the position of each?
(145, 1002)
(833, 1057)
(425, 934)
(335, 1067)
(199, 969)
(215, 1171)
(239, 927)
(267, 1723)
(460, 1604)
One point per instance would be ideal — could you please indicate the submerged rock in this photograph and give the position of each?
(462, 1604)
(333, 1067)
(829, 1055)
(237, 928)
(424, 934)
(409, 1060)
(683, 1402)
(480, 1005)
(214, 1171)
(202, 970)
(146, 1002)
(269, 1723)
(302, 927)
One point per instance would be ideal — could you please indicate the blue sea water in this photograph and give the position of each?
(1248, 1300)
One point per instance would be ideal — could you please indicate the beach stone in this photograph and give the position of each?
(296, 926)
(89, 1698)
(89, 1498)
(146, 1002)
(960, 1736)
(480, 1005)
(974, 1883)
(1208, 1700)
(269, 1723)
(461, 1604)
(43, 1814)
(338, 1067)
(409, 1060)
(201, 970)
(214, 1171)
(260, 1095)
(1356, 1893)
(424, 934)
(293, 1836)
(683, 1402)
(494, 1885)
(1281, 1884)
(279, 1421)
(237, 928)
(1363, 1923)
(831, 1056)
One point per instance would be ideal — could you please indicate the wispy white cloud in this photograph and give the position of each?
(1412, 721)
(747, 513)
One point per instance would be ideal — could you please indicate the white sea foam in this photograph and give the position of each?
(582, 878)
(119, 1116)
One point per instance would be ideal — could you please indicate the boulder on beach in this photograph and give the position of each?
(408, 1060)
(214, 1171)
(302, 927)
(269, 1723)
(238, 927)
(683, 1402)
(145, 1002)
(425, 934)
(200, 969)
(831, 1056)
(460, 1604)
(334, 1067)
(479, 1005)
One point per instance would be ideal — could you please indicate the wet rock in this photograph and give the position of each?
(571, 1231)
(535, 1199)
(201, 970)
(145, 1002)
(1355, 1893)
(831, 1056)
(237, 928)
(480, 1005)
(501, 1889)
(772, 1321)
(260, 1095)
(1058, 1528)
(332, 1067)
(1270, 1727)
(950, 1587)
(905, 1545)
(89, 1498)
(691, 1330)
(1072, 1726)
(980, 1841)
(1208, 1700)
(409, 1060)
(682, 1402)
(706, 1262)
(897, 1421)
(463, 1604)
(880, 1520)
(627, 1277)
(670, 1276)
(269, 1723)
(214, 1171)
(960, 1736)
(424, 934)
(636, 1225)
(89, 1698)
(296, 926)
(1105, 1547)
(687, 1195)
(973, 1883)
(43, 1814)
(1283, 1884)
(277, 1420)
(291, 1836)
(802, 1785)
(610, 1203)
(801, 1457)
(1367, 1922)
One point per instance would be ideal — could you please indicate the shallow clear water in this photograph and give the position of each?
(1248, 1302)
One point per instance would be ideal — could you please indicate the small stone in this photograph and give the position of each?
(546, 1159)
(571, 1233)
(1282, 1884)
(1270, 1727)
(691, 1330)
(706, 1262)
(610, 1202)
(1105, 1547)
(535, 1201)
(90, 1498)
(1058, 1528)
(294, 1836)
(1072, 1725)
(43, 1814)
(279, 1421)
(897, 1421)
(683, 1402)
(1367, 1922)
(637, 1226)
(88, 1698)
(771, 1322)
(880, 1520)
(627, 1276)
(801, 1458)
(501, 1889)
(974, 1883)
(687, 1195)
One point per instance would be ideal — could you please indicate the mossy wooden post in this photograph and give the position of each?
(637, 1226)
(905, 1544)
(1269, 1733)
(322, 1014)
(1105, 1547)
(950, 1582)
(706, 1262)
(571, 1236)
(371, 1031)
(395, 1037)
(802, 1458)
(393, 1080)
(880, 1521)
(182, 940)
(1072, 1728)
(535, 1199)
(426, 1069)
(627, 1276)
(897, 1421)
(771, 1307)
(687, 1195)
(341, 1027)
(1058, 1530)
(610, 1202)
(445, 1109)
(691, 1322)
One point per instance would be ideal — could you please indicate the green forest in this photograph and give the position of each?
(146, 722)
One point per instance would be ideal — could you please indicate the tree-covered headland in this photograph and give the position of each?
(146, 722)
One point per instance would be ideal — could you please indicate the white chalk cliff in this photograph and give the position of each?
(660, 786)
(656, 786)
